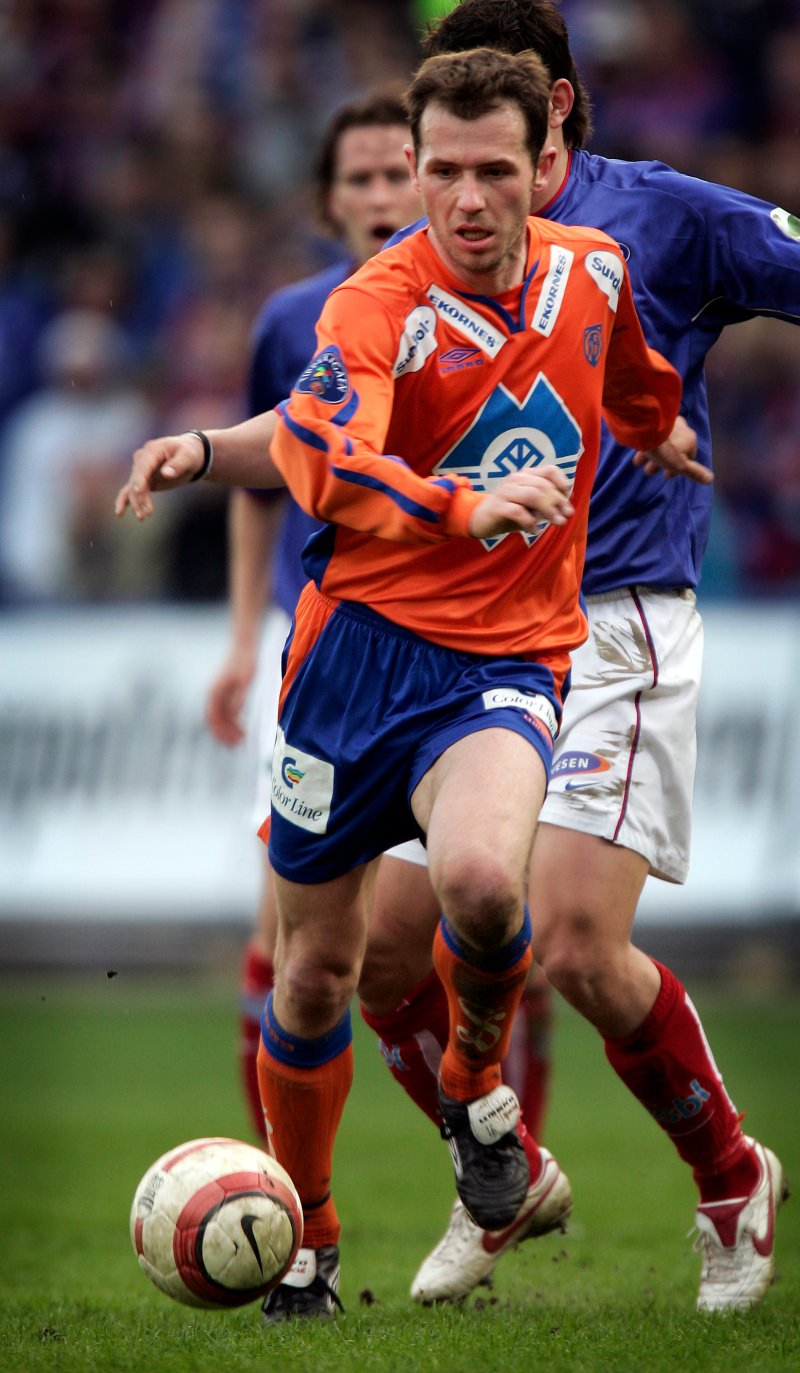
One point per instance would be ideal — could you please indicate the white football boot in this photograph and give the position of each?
(466, 1255)
(736, 1239)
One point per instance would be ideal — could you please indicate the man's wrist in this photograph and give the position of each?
(208, 454)
(463, 503)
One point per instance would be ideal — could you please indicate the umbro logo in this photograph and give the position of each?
(457, 359)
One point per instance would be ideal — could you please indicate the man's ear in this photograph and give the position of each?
(544, 168)
(562, 98)
(411, 159)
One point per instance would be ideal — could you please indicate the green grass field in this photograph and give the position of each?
(100, 1076)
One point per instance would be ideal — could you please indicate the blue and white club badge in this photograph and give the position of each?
(508, 435)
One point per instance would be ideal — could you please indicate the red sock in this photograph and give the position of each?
(412, 1039)
(255, 983)
(303, 1101)
(668, 1066)
(483, 993)
(526, 1066)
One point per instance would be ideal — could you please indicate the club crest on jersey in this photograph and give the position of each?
(508, 436)
(593, 344)
(325, 377)
(788, 224)
(607, 271)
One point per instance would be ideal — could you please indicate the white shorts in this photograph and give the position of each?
(412, 851)
(265, 707)
(624, 761)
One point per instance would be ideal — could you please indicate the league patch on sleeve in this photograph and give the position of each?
(788, 224)
(325, 377)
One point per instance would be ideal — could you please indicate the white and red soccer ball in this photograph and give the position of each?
(216, 1223)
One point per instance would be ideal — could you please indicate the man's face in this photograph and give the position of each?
(372, 195)
(476, 177)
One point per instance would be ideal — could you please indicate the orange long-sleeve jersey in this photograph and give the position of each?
(422, 395)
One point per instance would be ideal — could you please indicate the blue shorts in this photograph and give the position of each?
(367, 708)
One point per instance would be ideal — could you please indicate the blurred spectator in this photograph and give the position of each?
(655, 90)
(754, 391)
(24, 310)
(155, 170)
(65, 451)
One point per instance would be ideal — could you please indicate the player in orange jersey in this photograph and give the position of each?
(447, 432)
(364, 194)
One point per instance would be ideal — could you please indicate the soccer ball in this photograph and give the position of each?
(216, 1223)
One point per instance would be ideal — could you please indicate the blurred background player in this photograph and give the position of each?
(364, 195)
(619, 803)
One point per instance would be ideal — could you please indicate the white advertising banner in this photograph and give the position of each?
(745, 862)
(115, 802)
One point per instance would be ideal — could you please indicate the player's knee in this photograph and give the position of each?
(582, 965)
(568, 950)
(317, 987)
(382, 983)
(479, 898)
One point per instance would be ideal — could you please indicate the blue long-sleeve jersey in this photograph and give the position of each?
(700, 256)
(284, 340)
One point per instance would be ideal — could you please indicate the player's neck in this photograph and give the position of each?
(502, 276)
(554, 182)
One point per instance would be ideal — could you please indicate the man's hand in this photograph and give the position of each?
(158, 466)
(521, 501)
(242, 457)
(675, 456)
(227, 696)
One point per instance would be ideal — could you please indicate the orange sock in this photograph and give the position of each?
(483, 993)
(304, 1084)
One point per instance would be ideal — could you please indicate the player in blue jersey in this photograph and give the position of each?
(700, 256)
(364, 194)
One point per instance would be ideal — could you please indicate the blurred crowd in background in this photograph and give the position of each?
(156, 159)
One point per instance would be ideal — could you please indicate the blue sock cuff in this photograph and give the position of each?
(304, 1053)
(499, 959)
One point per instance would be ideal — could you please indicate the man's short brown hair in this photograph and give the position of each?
(517, 26)
(472, 84)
